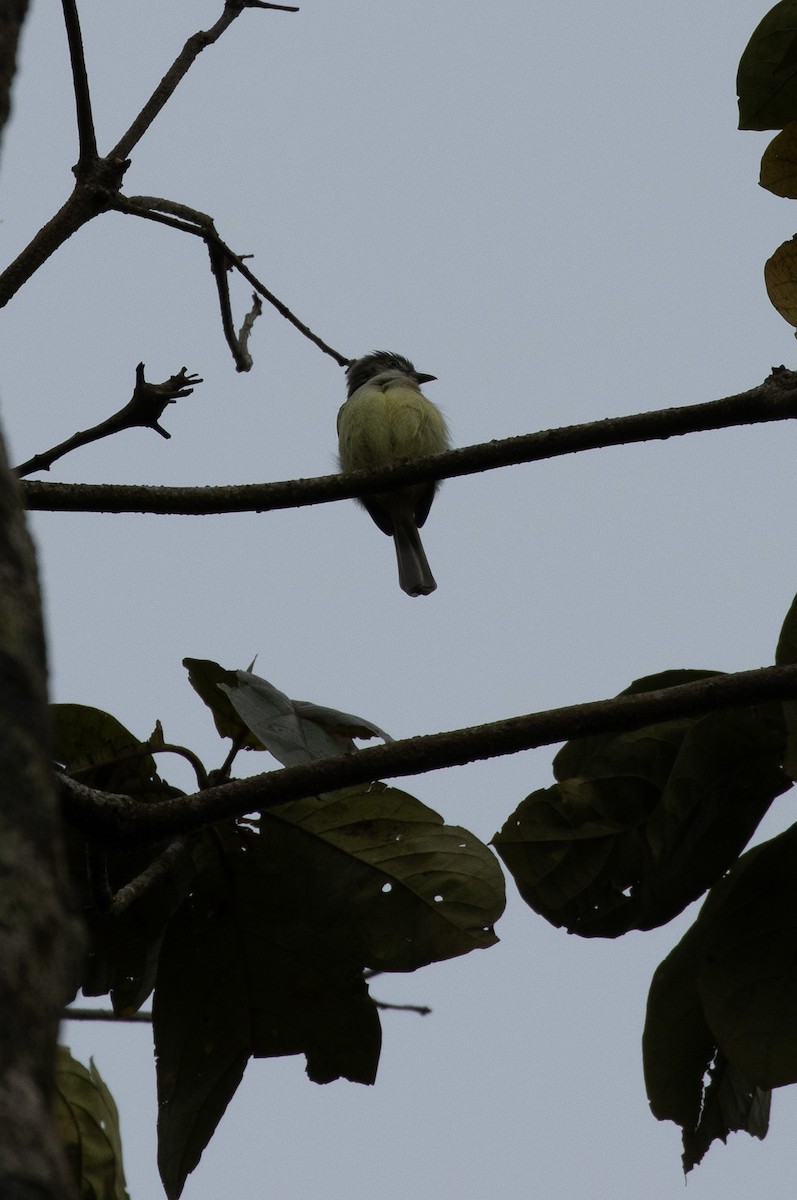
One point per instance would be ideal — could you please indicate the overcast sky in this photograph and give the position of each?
(550, 208)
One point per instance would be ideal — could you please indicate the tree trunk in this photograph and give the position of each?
(39, 932)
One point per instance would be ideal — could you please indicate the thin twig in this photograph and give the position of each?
(222, 258)
(423, 1010)
(180, 68)
(160, 868)
(222, 774)
(99, 179)
(105, 1014)
(773, 400)
(118, 819)
(142, 411)
(189, 756)
(248, 325)
(188, 220)
(219, 267)
(174, 76)
(87, 139)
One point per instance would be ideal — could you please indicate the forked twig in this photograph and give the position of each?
(99, 180)
(143, 410)
(180, 68)
(222, 260)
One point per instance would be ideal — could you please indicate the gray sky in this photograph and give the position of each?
(548, 207)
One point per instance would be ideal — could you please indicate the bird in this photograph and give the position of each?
(387, 419)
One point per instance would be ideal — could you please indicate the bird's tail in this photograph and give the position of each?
(415, 576)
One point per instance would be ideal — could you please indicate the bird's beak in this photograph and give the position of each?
(424, 378)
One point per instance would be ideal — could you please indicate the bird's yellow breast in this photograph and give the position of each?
(384, 421)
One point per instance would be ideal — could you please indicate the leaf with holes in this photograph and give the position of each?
(266, 956)
(393, 883)
(714, 1029)
(245, 971)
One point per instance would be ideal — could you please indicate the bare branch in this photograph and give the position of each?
(220, 266)
(87, 139)
(773, 400)
(143, 410)
(89, 198)
(222, 259)
(180, 68)
(176, 73)
(99, 179)
(120, 820)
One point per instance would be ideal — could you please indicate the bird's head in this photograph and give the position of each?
(360, 370)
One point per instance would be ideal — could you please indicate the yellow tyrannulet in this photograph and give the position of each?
(387, 419)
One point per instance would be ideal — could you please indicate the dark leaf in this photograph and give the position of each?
(205, 676)
(767, 79)
(121, 956)
(785, 655)
(647, 821)
(780, 278)
(677, 1045)
(575, 756)
(97, 750)
(266, 956)
(748, 983)
(386, 878)
(201, 1025)
(133, 939)
(245, 970)
(89, 1127)
(724, 1001)
(786, 650)
(731, 1105)
(779, 164)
